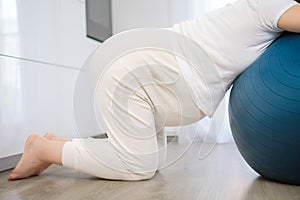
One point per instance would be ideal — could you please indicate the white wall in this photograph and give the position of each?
(128, 14)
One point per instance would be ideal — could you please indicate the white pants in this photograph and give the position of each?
(138, 96)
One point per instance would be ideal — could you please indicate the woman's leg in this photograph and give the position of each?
(39, 154)
(134, 116)
(130, 152)
(137, 96)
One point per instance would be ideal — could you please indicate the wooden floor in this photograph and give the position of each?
(223, 175)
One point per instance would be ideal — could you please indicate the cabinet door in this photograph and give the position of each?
(51, 31)
(35, 98)
(43, 44)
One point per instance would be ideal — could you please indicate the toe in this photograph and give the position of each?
(11, 176)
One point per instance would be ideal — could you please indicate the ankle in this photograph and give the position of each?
(36, 144)
(32, 143)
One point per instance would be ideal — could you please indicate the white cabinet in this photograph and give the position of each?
(42, 46)
(35, 98)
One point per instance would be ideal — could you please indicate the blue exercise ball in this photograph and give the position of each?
(264, 111)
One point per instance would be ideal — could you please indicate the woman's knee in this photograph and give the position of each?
(139, 176)
(142, 167)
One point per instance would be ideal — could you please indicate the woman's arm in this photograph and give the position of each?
(290, 20)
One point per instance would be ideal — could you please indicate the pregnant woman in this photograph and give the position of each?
(232, 37)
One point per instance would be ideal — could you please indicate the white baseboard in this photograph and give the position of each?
(9, 162)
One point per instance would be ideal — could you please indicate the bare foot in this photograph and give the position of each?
(30, 164)
(51, 136)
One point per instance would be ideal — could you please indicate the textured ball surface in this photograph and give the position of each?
(264, 111)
